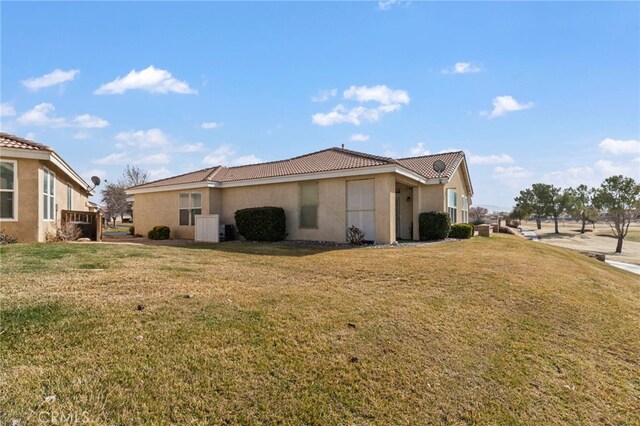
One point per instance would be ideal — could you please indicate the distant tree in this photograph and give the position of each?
(133, 176)
(619, 198)
(582, 207)
(536, 201)
(518, 213)
(115, 199)
(561, 201)
(477, 214)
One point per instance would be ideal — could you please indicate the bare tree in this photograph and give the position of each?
(619, 197)
(133, 176)
(115, 199)
(477, 214)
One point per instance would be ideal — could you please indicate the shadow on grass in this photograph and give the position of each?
(289, 249)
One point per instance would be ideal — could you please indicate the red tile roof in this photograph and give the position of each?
(331, 159)
(11, 141)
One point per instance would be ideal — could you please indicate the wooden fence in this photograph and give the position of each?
(89, 222)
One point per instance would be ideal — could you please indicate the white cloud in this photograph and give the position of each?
(490, 159)
(620, 147)
(341, 114)
(359, 137)
(418, 150)
(245, 159)
(86, 175)
(151, 79)
(224, 155)
(160, 158)
(379, 93)
(190, 147)
(462, 68)
(143, 138)
(505, 104)
(386, 4)
(512, 176)
(324, 95)
(7, 110)
(81, 135)
(160, 173)
(211, 125)
(608, 168)
(113, 159)
(53, 78)
(42, 115)
(88, 121)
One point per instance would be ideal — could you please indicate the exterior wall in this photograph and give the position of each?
(331, 207)
(458, 184)
(385, 190)
(26, 228)
(31, 226)
(163, 208)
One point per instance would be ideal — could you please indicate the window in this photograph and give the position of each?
(49, 197)
(465, 209)
(8, 191)
(69, 197)
(452, 205)
(190, 206)
(309, 205)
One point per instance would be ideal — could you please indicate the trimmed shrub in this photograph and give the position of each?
(434, 226)
(159, 232)
(262, 223)
(6, 238)
(355, 236)
(132, 230)
(461, 231)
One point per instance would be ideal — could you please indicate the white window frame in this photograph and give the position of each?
(189, 208)
(69, 197)
(452, 210)
(14, 190)
(51, 198)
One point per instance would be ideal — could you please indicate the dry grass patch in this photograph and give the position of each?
(497, 330)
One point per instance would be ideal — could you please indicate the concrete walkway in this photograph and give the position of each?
(530, 234)
(626, 266)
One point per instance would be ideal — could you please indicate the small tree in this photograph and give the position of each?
(582, 206)
(537, 201)
(561, 201)
(477, 214)
(619, 198)
(115, 198)
(132, 176)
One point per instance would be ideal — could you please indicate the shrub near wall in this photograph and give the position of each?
(159, 233)
(262, 223)
(434, 226)
(461, 231)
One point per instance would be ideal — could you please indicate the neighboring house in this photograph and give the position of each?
(35, 185)
(322, 193)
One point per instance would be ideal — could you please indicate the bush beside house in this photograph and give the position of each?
(159, 232)
(262, 223)
(434, 226)
(461, 231)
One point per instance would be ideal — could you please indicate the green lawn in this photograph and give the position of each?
(492, 331)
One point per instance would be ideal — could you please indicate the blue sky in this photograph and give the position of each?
(531, 91)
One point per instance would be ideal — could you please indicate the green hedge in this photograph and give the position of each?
(461, 231)
(159, 232)
(262, 223)
(434, 226)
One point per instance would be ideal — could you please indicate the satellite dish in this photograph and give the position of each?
(95, 180)
(439, 166)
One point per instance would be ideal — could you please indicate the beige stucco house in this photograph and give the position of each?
(35, 185)
(322, 193)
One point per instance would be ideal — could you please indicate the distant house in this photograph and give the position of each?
(35, 185)
(322, 193)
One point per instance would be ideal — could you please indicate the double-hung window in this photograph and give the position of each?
(69, 197)
(190, 206)
(452, 205)
(309, 205)
(8, 190)
(465, 209)
(49, 195)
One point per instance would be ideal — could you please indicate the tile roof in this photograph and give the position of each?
(331, 159)
(11, 141)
